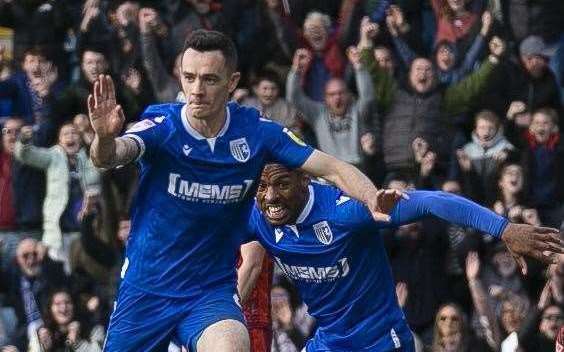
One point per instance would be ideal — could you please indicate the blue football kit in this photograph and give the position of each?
(189, 219)
(337, 260)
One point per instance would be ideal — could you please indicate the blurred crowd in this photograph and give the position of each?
(463, 96)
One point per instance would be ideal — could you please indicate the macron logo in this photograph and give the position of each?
(343, 199)
(159, 119)
(186, 149)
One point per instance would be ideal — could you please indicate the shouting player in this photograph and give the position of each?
(328, 244)
(199, 166)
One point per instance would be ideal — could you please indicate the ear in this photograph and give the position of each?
(234, 81)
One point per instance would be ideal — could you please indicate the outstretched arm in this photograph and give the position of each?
(540, 243)
(107, 119)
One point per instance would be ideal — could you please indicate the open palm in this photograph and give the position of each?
(106, 116)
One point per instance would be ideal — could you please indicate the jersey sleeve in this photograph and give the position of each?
(449, 207)
(352, 213)
(252, 227)
(150, 132)
(283, 145)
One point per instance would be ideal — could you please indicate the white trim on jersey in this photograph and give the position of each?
(139, 141)
(197, 134)
(309, 205)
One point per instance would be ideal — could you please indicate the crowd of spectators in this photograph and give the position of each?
(463, 96)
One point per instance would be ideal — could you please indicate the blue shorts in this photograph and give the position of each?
(144, 322)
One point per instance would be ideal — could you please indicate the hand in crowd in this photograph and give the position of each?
(240, 94)
(541, 243)
(281, 314)
(45, 338)
(9, 348)
(106, 116)
(132, 79)
(556, 276)
(148, 19)
(395, 21)
(302, 60)
(73, 335)
(368, 143)
(353, 54)
(497, 48)
(428, 164)
(368, 31)
(472, 266)
(487, 21)
(499, 208)
(127, 13)
(545, 296)
(90, 11)
(402, 293)
(420, 148)
(93, 304)
(531, 216)
(500, 156)
(26, 134)
(463, 160)
(515, 108)
(515, 213)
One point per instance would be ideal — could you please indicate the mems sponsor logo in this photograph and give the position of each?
(207, 193)
(315, 274)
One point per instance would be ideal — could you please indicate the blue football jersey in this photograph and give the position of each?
(195, 196)
(338, 263)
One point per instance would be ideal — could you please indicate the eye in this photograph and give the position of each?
(211, 80)
(261, 187)
(283, 186)
(189, 78)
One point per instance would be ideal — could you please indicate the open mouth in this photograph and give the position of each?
(276, 212)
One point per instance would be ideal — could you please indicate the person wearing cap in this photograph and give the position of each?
(529, 79)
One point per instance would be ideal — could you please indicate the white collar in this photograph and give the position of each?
(198, 135)
(309, 205)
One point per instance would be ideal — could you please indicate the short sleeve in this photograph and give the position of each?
(252, 227)
(283, 145)
(149, 133)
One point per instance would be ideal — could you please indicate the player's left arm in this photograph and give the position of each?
(252, 255)
(541, 243)
(287, 149)
(353, 182)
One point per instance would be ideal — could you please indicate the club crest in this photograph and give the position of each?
(323, 232)
(240, 149)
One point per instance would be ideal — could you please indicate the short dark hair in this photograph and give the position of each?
(204, 40)
(35, 51)
(267, 75)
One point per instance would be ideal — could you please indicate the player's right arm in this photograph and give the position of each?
(106, 116)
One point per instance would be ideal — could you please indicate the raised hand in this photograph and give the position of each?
(147, 19)
(302, 59)
(368, 143)
(106, 116)
(420, 148)
(463, 160)
(472, 265)
(368, 31)
(516, 107)
(383, 202)
(353, 54)
(497, 46)
(487, 20)
(540, 243)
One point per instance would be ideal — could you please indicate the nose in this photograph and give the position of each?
(270, 194)
(198, 87)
